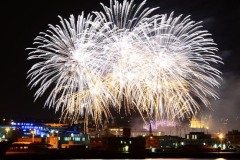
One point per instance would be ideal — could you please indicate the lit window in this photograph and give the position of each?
(77, 138)
(187, 136)
(83, 139)
(67, 138)
(193, 136)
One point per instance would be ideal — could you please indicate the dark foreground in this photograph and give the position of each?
(111, 155)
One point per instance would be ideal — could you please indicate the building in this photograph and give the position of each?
(69, 139)
(72, 145)
(32, 140)
(152, 142)
(96, 143)
(118, 144)
(29, 146)
(72, 136)
(196, 138)
(169, 141)
(53, 140)
(233, 139)
(200, 138)
(19, 129)
(197, 125)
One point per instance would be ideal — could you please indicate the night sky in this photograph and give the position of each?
(21, 22)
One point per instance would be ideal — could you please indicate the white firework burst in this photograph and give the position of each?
(154, 64)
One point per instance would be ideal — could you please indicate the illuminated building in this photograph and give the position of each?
(73, 137)
(195, 123)
(53, 140)
(30, 132)
(30, 140)
(28, 127)
(200, 138)
(70, 139)
(233, 139)
(197, 138)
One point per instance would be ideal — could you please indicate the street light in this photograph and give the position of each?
(33, 132)
(221, 136)
(7, 129)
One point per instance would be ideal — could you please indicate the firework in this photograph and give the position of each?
(160, 123)
(157, 65)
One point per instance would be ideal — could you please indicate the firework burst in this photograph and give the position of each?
(156, 65)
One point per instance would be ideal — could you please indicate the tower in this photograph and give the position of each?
(150, 130)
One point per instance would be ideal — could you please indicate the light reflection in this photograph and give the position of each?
(161, 159)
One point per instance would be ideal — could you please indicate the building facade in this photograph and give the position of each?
(200, 138)
(233, 139)
(118, 144)
(68, 139)
(168, 141)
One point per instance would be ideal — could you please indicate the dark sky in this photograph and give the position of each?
(22, 21)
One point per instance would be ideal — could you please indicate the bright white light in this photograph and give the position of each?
(154, 64)
(224, 146)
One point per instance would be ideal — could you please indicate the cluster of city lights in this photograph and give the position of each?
(125, 58)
